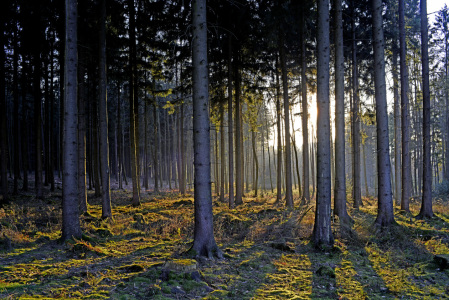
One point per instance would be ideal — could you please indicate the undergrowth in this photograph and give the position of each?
(267, 249)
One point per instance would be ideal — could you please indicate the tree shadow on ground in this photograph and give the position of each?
(396, 262)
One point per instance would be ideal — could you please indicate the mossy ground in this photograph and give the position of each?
(267, 250)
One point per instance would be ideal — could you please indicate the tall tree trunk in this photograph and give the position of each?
(46, 148)
(106, 211)
(182, 154)
(16, 111)
(356, 188)
(132, 104)
(119, 139)
(405, 123)
(238, 137)
(24, 127)
(52, 144)
(322, 231)
(340, 174)
(397, 129)
(94, 144)
(156, 147)
(70, 219)
(279, 138)
(204, 242)
(82, 189)
(145, 155)
(216, 171)
(288, 153)
(426, 206)
(385, 215)
(305, 113)
(38, 116)
(293, 139)
(230, 127)
(3, 119)
(256, 163)
(222, 153)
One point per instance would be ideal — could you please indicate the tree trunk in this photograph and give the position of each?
(222, 153)
(305, 113)
(356, 188)
(405, 123)
(182, 155)
(94, 144)
(340, 174)
(16, 111)
(82, 190)
(70, 219)
(106, 211)
(322, 231)
(230, 128)
(238, 137)
(426, 206)
(38, 118)
(288, 153)
(204, 242)
(256, 162)
(397, 130)
(279, 139)
(156, 147)
(119, 139)
(385, 215)
(3, 123)
(132, 103)
(24, 128)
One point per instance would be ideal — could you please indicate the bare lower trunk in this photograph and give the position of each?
(103, 107)
(322, 231)
(70, 219)
(288, 154)
(426, 207)
(204, 242)
(340, 178)
(405, 123)
(230, 129)
(385, 215)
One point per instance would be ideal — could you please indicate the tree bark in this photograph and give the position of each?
(397, 130)
(82, 189)
(356, 187)
(24, 128)
(279, 139)
(288, 153)
(305, 114)
(239, 178)
(16, 112)
(70, 219)
(3, 123)
(204, 242)
(322, 231)
(340, 174)
(385, 215)
(37, 115)
(426, 206)
(222, 153)
(230, 127)
(405, 123)
(106, 211)
(132, 103)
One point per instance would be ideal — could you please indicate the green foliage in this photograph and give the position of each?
(441, 190)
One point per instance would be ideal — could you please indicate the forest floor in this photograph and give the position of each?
(268, 254)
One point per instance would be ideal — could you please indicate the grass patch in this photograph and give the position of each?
(267, 253)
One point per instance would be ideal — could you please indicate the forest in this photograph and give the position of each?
(233, 149)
